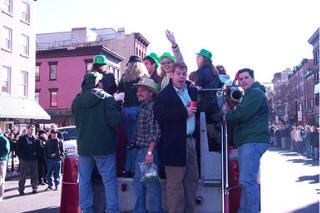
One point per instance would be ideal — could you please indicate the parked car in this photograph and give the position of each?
(69, 143)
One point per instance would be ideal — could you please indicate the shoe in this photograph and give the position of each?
(34, 191)
(49, 188)
(56, 188)
(21, 192)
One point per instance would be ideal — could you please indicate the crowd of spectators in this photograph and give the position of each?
(303, 139)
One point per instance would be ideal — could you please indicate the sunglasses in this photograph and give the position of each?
(166, 62)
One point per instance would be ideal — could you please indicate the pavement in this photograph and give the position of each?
(289, 184)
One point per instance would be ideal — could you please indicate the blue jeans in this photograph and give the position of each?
(54, 166)
(249, 162)
(141, 189)
(308, 149)
(130, 119)
(107, 168)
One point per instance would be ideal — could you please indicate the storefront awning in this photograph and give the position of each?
(21, 108)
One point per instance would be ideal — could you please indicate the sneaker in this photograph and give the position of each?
(49, 188)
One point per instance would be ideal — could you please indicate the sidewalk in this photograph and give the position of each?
(12, 174)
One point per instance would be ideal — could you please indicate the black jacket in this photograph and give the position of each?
(54, 149)
(172, 115)
(25, 150)
(109, 83)
(208, 99)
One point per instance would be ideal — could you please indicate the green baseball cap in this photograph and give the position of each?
(154, 57)
(168, 55)
(205, 53)
(99, 59)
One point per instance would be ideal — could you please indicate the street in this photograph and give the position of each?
(289, 183)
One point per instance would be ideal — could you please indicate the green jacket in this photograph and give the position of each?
(95, 117)
(4, 147)
(250, 118)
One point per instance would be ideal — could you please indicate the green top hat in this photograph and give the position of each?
(99, 59)
(168, 55)
(205, 53)
(154, 57)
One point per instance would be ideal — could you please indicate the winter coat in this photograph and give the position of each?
(54, 149)
(109, 83)
(4, 147)
(208, 100)
(172, 116)
(27, 149)
(96, 117)
(251, 117)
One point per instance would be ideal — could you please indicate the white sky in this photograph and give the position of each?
(267, 36)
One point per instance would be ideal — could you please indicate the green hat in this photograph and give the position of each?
(91, 80)
(99, 59)
(154, 57)
(205, 53)
(168, 55)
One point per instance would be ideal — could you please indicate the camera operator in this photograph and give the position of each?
(251, 136)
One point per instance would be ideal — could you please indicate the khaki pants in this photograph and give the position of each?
(182, 182)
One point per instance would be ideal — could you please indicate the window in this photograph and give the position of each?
(52, 70)
(7, 38)
(53, 97)
(88, 63)
(25, 13)
(37, 72)
(24, 83)
(25, 45)
(7, 6)
(5, 79)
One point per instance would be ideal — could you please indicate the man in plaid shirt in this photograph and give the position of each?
(146, 138)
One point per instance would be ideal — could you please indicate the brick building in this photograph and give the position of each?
(117, 41)
(59, 73)
(314, 41)
(280, 99)
(298, 93)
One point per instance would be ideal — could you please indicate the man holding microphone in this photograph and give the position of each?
(251, 136)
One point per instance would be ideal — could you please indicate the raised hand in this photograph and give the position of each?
(171, 38)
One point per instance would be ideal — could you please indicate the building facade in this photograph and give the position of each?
(17, 64)
(298, 95)
(59, 73)
(314, 41)
(117, 41)
(280, 100)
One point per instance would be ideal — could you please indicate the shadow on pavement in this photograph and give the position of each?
(18, 195)
(15, 188)
(305, 161)
(313, 179)
(45, 210)
(312, 208)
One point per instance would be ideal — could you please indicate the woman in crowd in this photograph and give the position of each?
(167, 60)
(131, 106)
(207, 78)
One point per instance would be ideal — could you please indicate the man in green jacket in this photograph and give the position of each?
(251, 137)
(96, 117)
